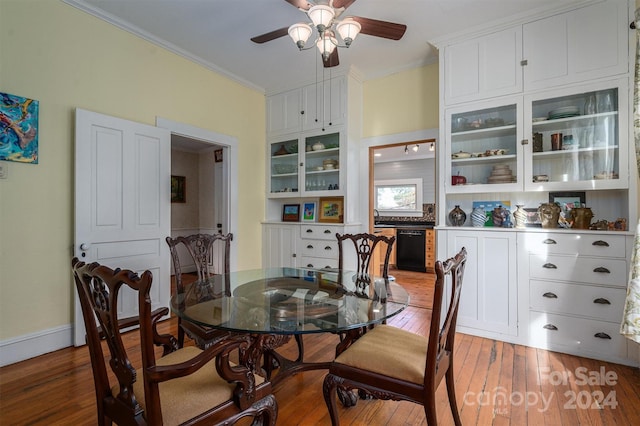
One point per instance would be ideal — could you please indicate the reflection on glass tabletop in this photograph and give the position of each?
(289, 301)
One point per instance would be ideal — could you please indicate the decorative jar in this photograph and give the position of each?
(478, 217)
(457, 216)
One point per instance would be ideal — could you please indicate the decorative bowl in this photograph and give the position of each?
(284, 168)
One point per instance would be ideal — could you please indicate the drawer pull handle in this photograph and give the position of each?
(309, 246)
(602, 336)
(327, 231)
(549, 241)
(328, 248)
(550, 295)
(601, 301)
(327, 267)
(549, 266)
(550, 327)
(309, 265)
(602, 270)
(600, 243)
(309, 231)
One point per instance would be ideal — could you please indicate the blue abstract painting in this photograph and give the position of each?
(18, 129)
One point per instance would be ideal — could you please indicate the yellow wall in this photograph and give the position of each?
(65, 58)
(403, 102)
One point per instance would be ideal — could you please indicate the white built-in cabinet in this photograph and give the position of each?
(503, 95)
(318, 106)
(489, 297)
(576, 46)
(311, 154)
(483, 67)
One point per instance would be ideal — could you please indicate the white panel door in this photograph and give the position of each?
(122, 204)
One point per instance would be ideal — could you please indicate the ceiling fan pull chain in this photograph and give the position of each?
(330, 95)
(316, 89)
(323, 100)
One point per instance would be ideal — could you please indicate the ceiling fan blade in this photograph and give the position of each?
(382, 29)
(271, 36)
(333, 60)
(342, 3)
(300, 4)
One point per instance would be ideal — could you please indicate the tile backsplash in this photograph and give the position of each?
(428, 215)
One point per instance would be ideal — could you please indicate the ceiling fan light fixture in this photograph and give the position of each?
(321, 16)
(348, 30)
(327, 44)
(300, 33)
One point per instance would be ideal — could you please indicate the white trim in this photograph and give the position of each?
(231, 168)
(372, 141)
(35, 344)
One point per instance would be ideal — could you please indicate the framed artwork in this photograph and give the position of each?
(331, 209)
(567, 200)
(291, 213)
(178, 189)
(218, 155)
(309, 212)
(533, 219)
(18, 129)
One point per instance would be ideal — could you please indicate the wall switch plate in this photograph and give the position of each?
(3, 170)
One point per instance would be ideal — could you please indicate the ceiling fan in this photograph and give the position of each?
(324, 19)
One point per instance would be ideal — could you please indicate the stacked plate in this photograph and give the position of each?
(564, 112)
(501, 174)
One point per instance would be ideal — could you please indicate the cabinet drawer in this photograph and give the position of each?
(602, 303)
(579, 269)
(580, 335)
(583, 244)
(318, 263)
(318, 232)
(320, 248)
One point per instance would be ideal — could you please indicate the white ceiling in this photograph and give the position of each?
(216, 33)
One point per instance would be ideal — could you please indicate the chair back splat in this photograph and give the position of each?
(390, 363)
(214, 390)
(364, 245)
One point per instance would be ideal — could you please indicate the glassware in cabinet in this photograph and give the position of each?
(284, 167)
(483, 149)
(322, 163)
(578, 140)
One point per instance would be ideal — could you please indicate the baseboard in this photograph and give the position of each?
(35, 344)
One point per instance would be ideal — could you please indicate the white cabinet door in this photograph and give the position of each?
(279, 245)
(283, 112)
(488, 302)
(484, 67)
(584, 44)
(324, 104)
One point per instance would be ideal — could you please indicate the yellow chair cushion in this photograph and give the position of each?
(186, 397)
(389, 351)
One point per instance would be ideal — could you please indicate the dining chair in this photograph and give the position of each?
(183, 386)
(390, 363)
(365, 245)
(200, 250)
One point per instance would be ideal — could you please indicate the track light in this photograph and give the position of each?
(432, 146)
(406, 150)
(416, 148)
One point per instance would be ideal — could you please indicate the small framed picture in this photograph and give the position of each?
(291, 213)
(331, 209)
(309, 212)
(533, 219)
(218, 155)
(178, 189)
(567, 200)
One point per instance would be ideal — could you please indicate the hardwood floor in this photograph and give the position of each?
(496, 384)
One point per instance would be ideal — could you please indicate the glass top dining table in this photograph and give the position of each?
(289, 301)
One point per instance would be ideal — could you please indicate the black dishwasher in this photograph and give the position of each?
(410, 249)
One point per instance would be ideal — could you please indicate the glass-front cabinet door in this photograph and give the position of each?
(484, 153)
(322, 163)
(283, 173)
(307, 166)
(575, 139)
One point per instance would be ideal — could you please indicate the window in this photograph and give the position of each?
(398, 197)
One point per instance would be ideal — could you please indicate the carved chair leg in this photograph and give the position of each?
(430, 409)
(451, 391)
(329, 387)
(180, 335)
